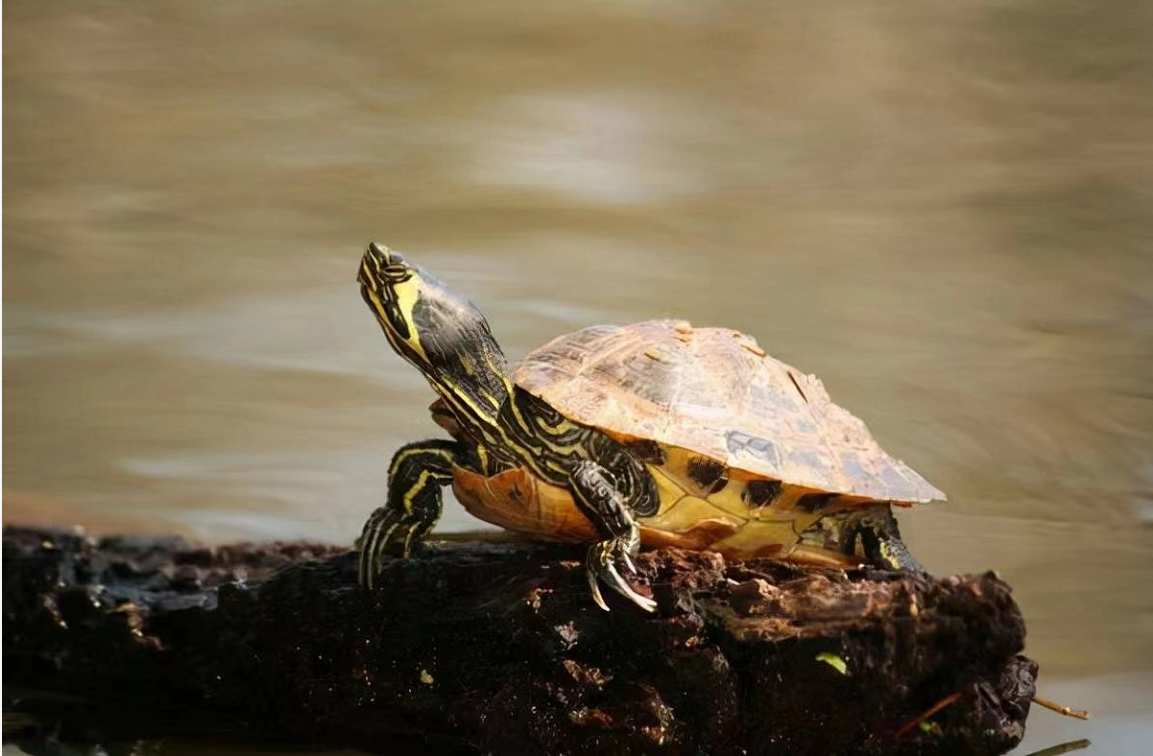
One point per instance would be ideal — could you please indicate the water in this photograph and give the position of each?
(942, 210)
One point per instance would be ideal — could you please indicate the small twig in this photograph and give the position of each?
(1057, 750)
(912, 723)
(1065, 710)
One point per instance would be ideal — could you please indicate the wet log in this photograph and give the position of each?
(497, 648)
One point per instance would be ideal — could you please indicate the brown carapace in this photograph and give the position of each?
(749, 454)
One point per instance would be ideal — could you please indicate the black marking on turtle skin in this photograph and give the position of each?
(515, 494)
(646, 450)
(553, 452)
(469, 459)
(812, 502)
(449, 327)
(538, 408)
(629, 476)
(761, 493)
(397, 320)
(709, 474)
(864, 542)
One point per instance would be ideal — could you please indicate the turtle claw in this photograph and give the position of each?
(628, 560)
(622, 587)
(378, 535)
(601, 565)
(595, 588)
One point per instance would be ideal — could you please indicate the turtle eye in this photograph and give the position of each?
(395, 274)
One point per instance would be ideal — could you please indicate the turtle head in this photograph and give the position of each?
(391, 287)
(433, 327)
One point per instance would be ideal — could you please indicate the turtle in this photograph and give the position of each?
(655, 432)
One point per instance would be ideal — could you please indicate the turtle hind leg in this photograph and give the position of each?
(416, 475)
(875, 536)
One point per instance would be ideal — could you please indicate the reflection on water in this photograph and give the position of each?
(942, 210)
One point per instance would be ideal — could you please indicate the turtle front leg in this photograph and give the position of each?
(597, 496)
(416, 475)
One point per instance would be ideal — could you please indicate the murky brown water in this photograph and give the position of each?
(944, 211)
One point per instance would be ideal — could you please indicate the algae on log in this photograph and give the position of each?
(498, 648)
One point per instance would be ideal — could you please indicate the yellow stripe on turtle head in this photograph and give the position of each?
(392, 303)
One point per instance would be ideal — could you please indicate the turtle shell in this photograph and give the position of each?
(715, 393)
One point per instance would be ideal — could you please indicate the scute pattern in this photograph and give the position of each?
(712, 391)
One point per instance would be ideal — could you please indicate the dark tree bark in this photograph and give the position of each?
(498, 648)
